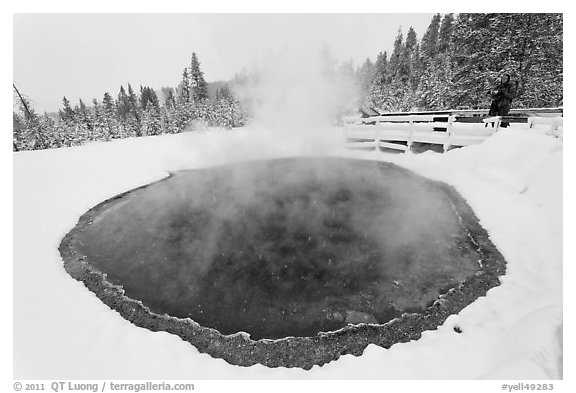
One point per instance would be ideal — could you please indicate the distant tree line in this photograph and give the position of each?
(459, 58)
(454, 65)
(131, 114)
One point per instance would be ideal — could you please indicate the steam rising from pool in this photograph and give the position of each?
(287, 247)
(298, 91)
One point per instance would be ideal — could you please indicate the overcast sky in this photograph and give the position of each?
(85, 55)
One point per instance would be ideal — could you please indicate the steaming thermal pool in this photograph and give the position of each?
(312, 257)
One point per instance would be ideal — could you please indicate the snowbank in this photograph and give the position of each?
(513, 181)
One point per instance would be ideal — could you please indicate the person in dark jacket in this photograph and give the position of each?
(502, 96)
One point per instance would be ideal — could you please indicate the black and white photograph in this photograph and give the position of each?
(287, 196)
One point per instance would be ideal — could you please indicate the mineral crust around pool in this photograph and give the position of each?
(311, 257)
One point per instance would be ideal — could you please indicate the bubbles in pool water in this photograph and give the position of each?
(288, 247)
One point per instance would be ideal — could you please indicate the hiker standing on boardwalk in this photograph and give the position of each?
(502, 97)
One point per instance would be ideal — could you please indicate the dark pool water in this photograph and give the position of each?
(287, 247)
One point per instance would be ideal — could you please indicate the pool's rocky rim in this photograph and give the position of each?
(303, 352)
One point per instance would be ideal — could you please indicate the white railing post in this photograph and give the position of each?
(376, 137)
(410, 135)
(448, 133)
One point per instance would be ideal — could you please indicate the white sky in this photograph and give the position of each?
(84, 55)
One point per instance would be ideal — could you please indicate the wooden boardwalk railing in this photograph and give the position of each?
(400, 131)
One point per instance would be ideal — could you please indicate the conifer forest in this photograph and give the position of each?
(454, 65)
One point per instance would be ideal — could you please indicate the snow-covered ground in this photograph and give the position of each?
(513, 181)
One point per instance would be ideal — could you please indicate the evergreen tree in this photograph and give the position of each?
(395, 59)
(109, 117)
(417, 67)
(134, 109)
(133, 121)
(184, 88)
(67, 114)
(199, 87)
(99, 132)
(18, 132)
(123, 106)
(83, 115)
(48, 125)
(169, 100)
(29, 133)
(151, 121)
(176, 119)
(445, 33)
(429, 45)
(226, 93)
(148, 97)
(364, 77)
(382, 74)
(405, 68)
(411, 39)
(435, 89)
(381, 79)
(475, 67)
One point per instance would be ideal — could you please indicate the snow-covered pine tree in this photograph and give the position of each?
(184, 87)
(49, 126)
(123, 105)
(435, 90)
(151, 120)
(148, 97)
(406, 66)
(381, 78)
(100, 131)
(30, 135)
(445, 33)
(198, 85)
(164, 120)
(109, 116)
(83, 115)
(19, 132)
(170, 101)
(82, 124)
(429, 44)
(176, 118)
(78, 134)
(364, 76)
(474, 62)
(417, 67)
(395, 58)
(67, 114)
(202, 110)
(134, 113)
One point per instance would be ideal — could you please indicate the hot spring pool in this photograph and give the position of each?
(311, 257)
